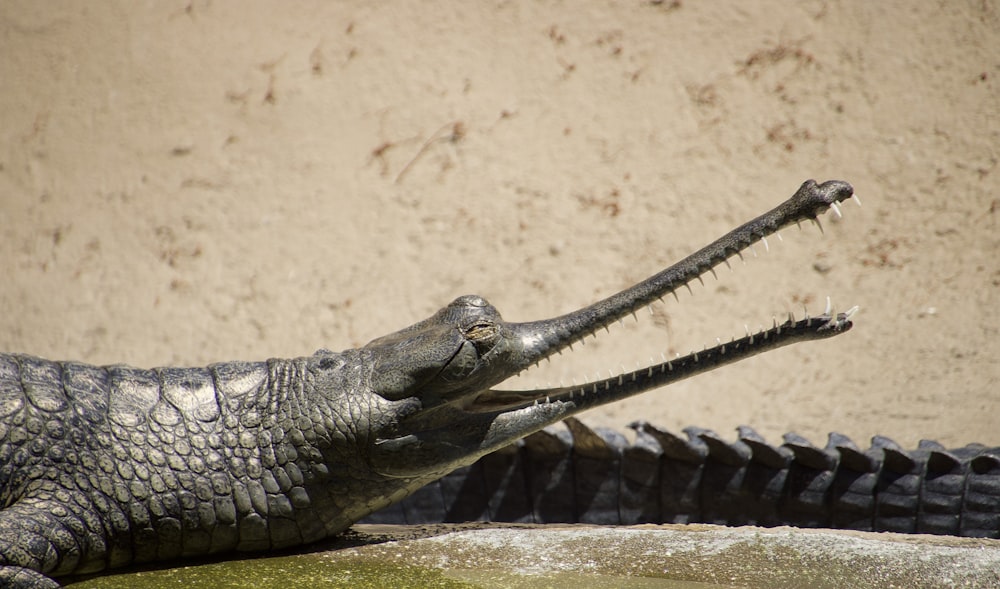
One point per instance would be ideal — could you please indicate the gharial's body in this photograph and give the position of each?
(101, 467)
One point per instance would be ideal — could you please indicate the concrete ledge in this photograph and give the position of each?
(486, 556)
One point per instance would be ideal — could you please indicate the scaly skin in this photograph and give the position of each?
(102, 467)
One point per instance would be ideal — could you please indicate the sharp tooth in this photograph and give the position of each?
(728, 265)
(763, 239)
(818, 224)
(836, 209)
(829, 306)
(712, 270)
(857, 199)
(778, 235)
(848, 313)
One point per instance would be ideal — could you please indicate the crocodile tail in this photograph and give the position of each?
(581, 475)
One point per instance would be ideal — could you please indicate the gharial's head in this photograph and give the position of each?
(436, 376)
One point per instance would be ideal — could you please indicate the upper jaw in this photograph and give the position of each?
(541, 339)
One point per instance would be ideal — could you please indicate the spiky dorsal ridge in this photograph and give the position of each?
(579, 474)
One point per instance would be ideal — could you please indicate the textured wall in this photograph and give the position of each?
(188, 183)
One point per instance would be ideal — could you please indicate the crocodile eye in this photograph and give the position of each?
(483, 335)
(481, 331)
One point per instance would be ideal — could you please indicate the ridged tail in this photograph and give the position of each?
(582, 475)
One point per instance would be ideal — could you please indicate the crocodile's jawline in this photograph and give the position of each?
(456, 425)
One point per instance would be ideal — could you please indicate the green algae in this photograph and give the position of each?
(362, 573)
(281, 573)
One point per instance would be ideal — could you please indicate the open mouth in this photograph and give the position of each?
(464, 418)
(543, 338)
(673, 370)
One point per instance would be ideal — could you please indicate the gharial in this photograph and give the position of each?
(103, 467)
